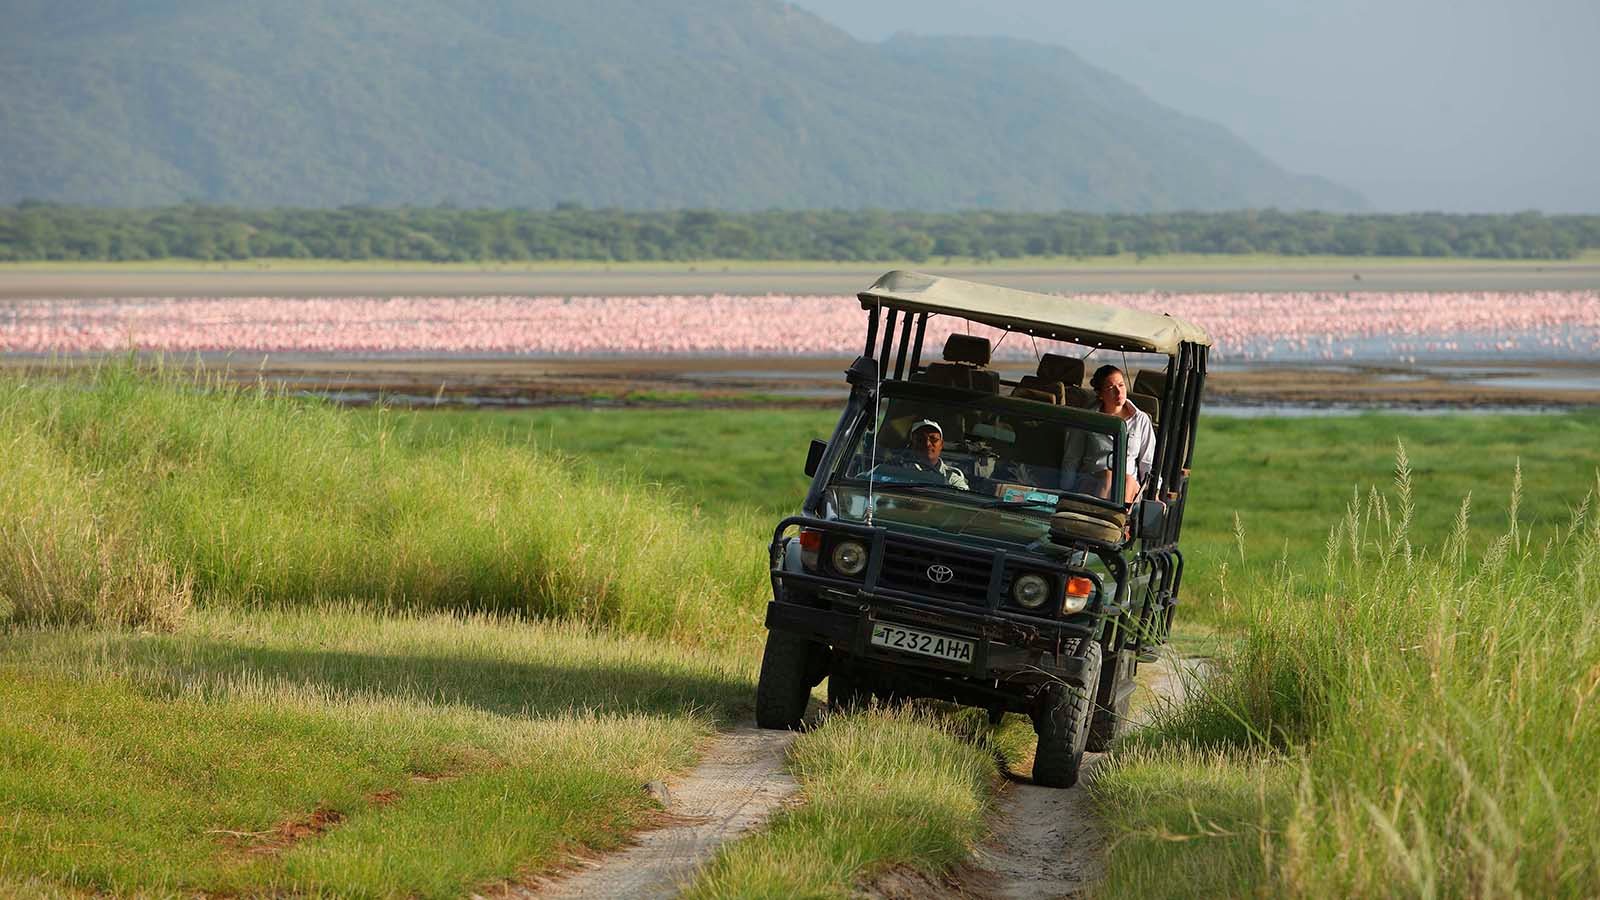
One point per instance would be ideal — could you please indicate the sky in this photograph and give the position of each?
(1452, 105)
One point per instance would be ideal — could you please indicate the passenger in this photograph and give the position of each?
(1111, 387)
(926, 443)
(1087, 464)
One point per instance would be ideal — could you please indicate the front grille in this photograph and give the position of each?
(905, 568)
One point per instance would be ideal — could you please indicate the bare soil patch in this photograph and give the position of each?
(283, 835)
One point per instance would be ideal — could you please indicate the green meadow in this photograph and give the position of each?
(253, 644)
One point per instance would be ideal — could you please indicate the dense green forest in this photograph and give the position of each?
(42, 231)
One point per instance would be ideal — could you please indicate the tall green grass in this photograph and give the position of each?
(124, 497)
(1420, 722)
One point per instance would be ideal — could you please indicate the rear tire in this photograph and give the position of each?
(1062, 724)
(1115, 696)
(783, 688)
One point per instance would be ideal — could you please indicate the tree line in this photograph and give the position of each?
(43, 231)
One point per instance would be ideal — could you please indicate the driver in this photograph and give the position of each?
(926, 442)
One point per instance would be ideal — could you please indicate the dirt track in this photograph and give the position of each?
(739, 782)
(1046, 842)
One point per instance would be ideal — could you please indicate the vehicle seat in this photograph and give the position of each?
(1034, 384)
(1148, 385)
(966, 365)
(1149, 405)
(1066, 369)
(1149, 382)
(1080, 397)
(1037, 395)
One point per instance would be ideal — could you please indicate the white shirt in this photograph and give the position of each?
(1141, 442)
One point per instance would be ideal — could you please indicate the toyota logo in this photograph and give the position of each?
(939, 573)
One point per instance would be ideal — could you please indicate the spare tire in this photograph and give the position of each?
(1081, 520)
(1066, 527)
(1118, 515)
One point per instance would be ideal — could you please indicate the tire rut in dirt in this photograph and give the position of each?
(738, 784)
(1047, 841)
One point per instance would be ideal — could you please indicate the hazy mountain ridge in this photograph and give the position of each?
(738, 104)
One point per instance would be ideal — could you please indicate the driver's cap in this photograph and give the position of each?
(925, 423)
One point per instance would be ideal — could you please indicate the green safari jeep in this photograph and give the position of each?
(985, 539)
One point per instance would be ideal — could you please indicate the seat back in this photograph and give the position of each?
(1028, 393)
(1149, 382)
(961, 375)
(965, 366)
(1151, 406)
(1056, 390)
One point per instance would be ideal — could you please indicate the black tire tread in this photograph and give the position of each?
(783, 690)
(1063, 728)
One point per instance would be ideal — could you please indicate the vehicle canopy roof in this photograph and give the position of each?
(1042, 315)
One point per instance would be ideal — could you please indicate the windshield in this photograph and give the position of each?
(956, 449)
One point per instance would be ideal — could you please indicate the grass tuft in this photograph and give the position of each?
(881, 788)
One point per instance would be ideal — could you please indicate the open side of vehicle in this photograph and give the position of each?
(1000, 565)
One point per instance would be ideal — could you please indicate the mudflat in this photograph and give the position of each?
(513, 382)
(245, 280)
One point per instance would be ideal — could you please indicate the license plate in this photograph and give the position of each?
(910, 640)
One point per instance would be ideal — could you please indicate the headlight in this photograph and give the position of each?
(849, 557)
(1030, 590)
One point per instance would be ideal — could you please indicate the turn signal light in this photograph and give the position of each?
(1079, 590)
(810, 547)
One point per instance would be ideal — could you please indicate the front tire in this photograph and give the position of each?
(1062, 724)
(847, 688)
(783, 688)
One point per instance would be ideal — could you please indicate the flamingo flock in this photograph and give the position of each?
(1245, 326)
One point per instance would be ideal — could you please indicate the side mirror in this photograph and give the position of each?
(1152, 518)
(814, 456)
(863, 371)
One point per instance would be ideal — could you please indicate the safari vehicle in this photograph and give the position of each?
(1025, 585)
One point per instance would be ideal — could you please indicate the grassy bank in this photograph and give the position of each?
(1421, 722)
(335, 751)
(125, 499)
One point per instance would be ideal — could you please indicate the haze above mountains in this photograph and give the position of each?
(735, 104)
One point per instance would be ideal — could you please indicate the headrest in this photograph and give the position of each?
(1065, 369)
(967, 348)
